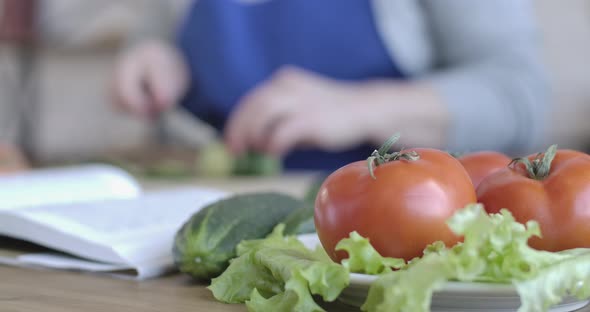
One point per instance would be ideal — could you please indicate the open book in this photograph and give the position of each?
(92, 218)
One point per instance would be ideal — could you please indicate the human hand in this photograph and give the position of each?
(149, 79)
(298, 108)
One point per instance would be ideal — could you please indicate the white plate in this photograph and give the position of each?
(459, 296)
(455, 296)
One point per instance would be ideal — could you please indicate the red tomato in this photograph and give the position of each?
(402, 210)
(559, 202)
(481, 164)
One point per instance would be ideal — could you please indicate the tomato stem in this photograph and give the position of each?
(382, 155)
(540, 166)
(457, 154)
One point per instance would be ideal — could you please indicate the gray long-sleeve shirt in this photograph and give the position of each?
(484, 60)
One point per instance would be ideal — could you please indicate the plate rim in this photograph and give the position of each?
(311, 240)
(365, 280)
(451, 289)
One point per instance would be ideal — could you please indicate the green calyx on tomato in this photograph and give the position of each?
(382, 155)
(538, 168)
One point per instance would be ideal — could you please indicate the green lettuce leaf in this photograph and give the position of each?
(551, 284)
(410, 289)
(363, 258)
(495, 247)
(279, 274)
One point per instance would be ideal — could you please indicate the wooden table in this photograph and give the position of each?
(25, 290)
(50, 291)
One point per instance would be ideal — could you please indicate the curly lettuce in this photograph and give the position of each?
(363, 258)
(279, 274)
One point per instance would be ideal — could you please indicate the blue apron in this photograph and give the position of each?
(231, 46)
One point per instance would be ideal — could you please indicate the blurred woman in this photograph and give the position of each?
(323, 82)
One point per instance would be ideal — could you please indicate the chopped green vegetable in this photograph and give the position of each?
(214, 160)
(279, 274)
(257, 164)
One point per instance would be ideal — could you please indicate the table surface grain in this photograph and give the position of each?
(24, 290)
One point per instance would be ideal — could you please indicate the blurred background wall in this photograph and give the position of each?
(67, 75)
(80, 40)
(565, 31)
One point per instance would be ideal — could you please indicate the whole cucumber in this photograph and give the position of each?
(204, 245)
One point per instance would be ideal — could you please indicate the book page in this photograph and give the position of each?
(25, 254)
(65, 262)
(66, 185)
(138, 230)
